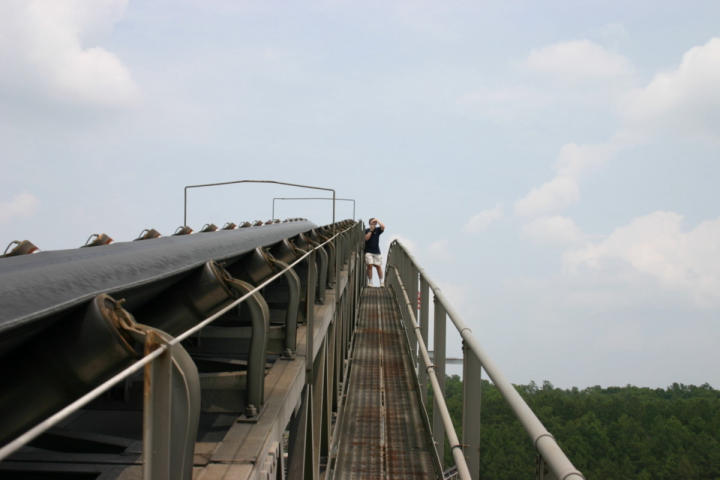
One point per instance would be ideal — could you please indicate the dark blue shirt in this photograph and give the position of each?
(373, 245)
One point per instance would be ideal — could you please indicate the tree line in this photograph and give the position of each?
(608, 433)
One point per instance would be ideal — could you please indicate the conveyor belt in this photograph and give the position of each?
(382, 434)
(33, 286)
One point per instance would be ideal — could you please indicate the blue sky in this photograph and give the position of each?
(553, 165)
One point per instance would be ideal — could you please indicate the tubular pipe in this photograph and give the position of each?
(455, 446)
(545, 443)
(260, 318)
(291, 316)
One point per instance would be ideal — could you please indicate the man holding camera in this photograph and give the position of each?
(372, 249)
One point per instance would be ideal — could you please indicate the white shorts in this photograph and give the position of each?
(373, 259)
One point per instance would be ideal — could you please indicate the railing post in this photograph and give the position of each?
(310, 466)
(439, 322)
(424, 328)
(310, 312)
(300, 438)
(171, 411)
(407, 269)
(157, 418)
(471, 410)
(338, 266)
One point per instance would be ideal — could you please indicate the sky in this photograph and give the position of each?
(553, 165)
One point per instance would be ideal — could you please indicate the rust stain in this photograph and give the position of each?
(386, 434)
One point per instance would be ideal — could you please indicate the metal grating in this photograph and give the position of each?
(383, 435)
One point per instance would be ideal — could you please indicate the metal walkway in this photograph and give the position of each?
(383, 430)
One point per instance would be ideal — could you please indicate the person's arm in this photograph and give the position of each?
(368, 234)
(382, 225)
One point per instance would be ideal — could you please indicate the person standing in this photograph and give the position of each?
(372, 249)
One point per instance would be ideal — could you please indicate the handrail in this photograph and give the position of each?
(312, 198)
(543, 440)
(455, 445)
(54, 419)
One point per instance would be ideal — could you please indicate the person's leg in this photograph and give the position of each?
(369, 263)
(380, 273)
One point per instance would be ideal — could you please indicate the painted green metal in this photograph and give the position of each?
(260, 318)
(318, 350)
(171, 413)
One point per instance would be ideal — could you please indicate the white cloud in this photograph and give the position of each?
(574, 160)
(439, 250)
(656, 245)
(686, 98)
(482, 220)
(572, 163)
(555, 230)
(558, 193)
(22, 205)
(46, 51)
(578, 60)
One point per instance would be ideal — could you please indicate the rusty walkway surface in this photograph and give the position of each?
(383, 434)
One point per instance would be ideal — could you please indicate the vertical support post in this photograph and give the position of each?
(157, 415)
(315, 417)
(337, 252)
(299, 433)
(406, 276)
(413, 294)
(337, 353)
(309, 462)
(321, 416)
(424, 329)
(471, 410)
(310, 313)
(338, 264)
(439, 322)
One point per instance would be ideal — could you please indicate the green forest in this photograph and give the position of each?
(608, 433)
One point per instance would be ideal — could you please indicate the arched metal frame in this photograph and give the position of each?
(275, 182)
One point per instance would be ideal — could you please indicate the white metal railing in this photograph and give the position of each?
(161, 349)
(441, 406)
(474, 361)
